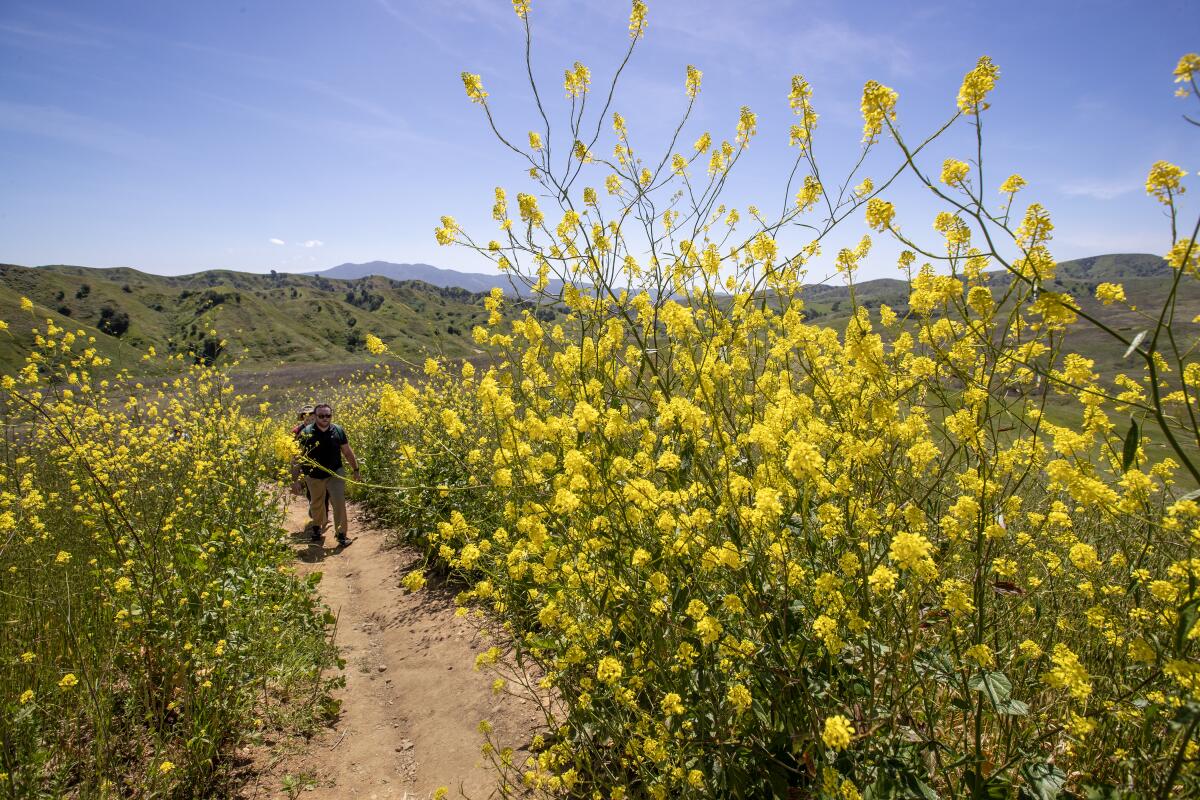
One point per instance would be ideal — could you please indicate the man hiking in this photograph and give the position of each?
(322, 447)
(307, 415)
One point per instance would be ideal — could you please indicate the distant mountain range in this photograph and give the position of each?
(1119, 266)
(434, 276)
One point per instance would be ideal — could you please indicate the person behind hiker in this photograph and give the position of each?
(305, 416)
(323, 445)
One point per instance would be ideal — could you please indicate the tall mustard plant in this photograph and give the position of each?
(151, 617)
(748, 555)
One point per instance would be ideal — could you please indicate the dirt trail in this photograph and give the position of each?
(412, 701)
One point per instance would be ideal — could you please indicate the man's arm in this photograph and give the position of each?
(348, 454)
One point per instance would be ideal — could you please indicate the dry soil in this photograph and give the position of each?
(412, 703)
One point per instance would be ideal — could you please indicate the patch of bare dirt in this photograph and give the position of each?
(412, 700)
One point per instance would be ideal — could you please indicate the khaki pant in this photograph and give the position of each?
(335, 486)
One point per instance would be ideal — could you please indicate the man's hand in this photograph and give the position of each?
(298, 487)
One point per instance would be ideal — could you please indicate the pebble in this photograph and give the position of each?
(382, 668)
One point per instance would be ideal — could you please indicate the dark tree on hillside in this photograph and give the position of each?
(113, 321)
(210, 299)
(84, 291)
(210, 349)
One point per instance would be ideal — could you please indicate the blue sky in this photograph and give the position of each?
(175, 137)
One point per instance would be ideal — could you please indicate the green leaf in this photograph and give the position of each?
(936, 662)
(1188, 614)
(1186, 715)
(1132, 439)
(1012, 708)
(1043, 781)
(996, 685)
(918, 788)
(779, 783)
(993, 788)
(884, 788)
(761, 714)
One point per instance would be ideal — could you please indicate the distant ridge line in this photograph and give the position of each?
(434, 276)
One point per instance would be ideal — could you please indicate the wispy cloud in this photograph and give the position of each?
(31, 36)
(52, 122)
(1098, 189)
(1077, 242)
(310, 243)
(398, 124)
(408, 20)
(753, 27)
(264, 66)
(346, 130)
(1093, 106)
(49, 26)
(836, 43)
(273, 240)
(488, 12)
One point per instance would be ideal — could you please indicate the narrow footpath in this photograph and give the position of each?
(412, 700)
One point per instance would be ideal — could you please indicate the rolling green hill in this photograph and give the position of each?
(1146, 279)
(269, 320)
(262, 319)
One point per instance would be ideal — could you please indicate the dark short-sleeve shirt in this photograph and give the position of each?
(323, 447)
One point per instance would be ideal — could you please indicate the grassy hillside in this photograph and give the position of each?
(262, 319)
(266, 320)
(1146, 279)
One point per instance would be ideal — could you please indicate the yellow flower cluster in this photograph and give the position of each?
(474, 86)
(878, 107)
(577, 80)
(976, 85)
(1185, 71)
(706, 517)
(838, 732)
(143, 532)
(692, 83)
(1165, 182)
(954, 172)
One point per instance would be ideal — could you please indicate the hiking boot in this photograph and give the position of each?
(315, 535)
(343, 540)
